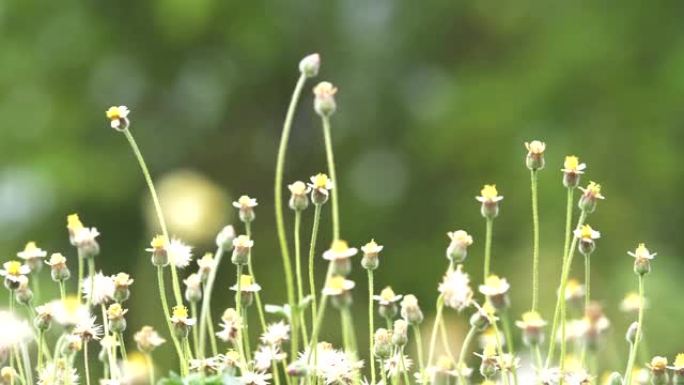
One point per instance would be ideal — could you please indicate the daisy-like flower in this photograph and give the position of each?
(579, 377)
(276, 333)
(299, 199)
(231, 323)
(179, 316)
(572, 169)
(320, 188)
(324, 98)
(13, 271)
(242, 246)
(339, 249)
(337, 285)
(229, 362)
(490, 198)
(13, 331)
(532, 325)
(44, 316)
(33, 256)
(455, 289)
(74, 224)
(658, 366)
(254, 378)
(387, 297)
(247, 284)
(574, 291)
(68, 312)
(590, 195)
(398, 363)
(458, 247)
(88, 330)
(58, 267)
(118, 117)
(678, 364)
(496, 290)
(148, 339)
(334, 366)
(642, 259)
(179, 253)
(246, 206)
(266, 355)
(57, 372)
(371, 252)
(208, 365)
(98, 289)
(205, 265)
(159, 249)
(632, 302)
(122, 283)
(586, 236)
(193, 287)
(84, 238)
(535, 154)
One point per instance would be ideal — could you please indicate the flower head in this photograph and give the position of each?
(56, 259)
(658, 363)
(14, 270)
(310, 65)
(494, 286)
(31, 251)
(148, 339)
(572, 165)
(590, 195)
(179, 315)
(57, 372)
(87, 329)
(632, 302)
(99, 288)
(489, 194)
(68, 312)
(642, 259)
(339, 249)
(371, 247)
(231, 323)
(535, 155)
(678, 364)
(246, 206)
(276, 333)
(641, 252)
(118, 117)
(324, 100)
(387, 296)
(254, 378)
(535, 147)
(337, 285)
(320, 188)
(458, 247)
(266, 355)
(179, 253)
(122, 280)
(247, 284)
(586, 233)
(455, 288)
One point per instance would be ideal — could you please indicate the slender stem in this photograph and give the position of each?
(312, 253)
(81, 270)
(205, 320)
(403, 367)
(195, 330)
(238, 309)
(41, 334)
(276, 372)
(122, 347)
(300, 319)
(419, 348)
(506, 323)
(212, 334)
(150, 367)
(371, 326)
(499, 347)
(257, 296)
(445, 341)
(435, 328)
(538, 358)
(344, 326)
(535, 246)
(278, 187)
(27, 364)
(333, 176)
(248, 346)
(91, 272)
(488, 247)
(22, 373)
(587, 298)
(62, 291)
(560, 301)
(461, 356)
(167, 314)
(635, 346)
(85, 363)
(110, 357)
(35, 283)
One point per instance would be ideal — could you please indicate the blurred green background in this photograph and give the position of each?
(435, 99)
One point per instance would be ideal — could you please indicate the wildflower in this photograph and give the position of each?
(13, 331)
(98, 289)
(579, 377)
(74, 224)
(242, 246)
(455, 289)
(118, 117)
(23, 293)
(181, 321)
(488, 364)
(254, 378)
(572, 169)
(508, 362)
(44, 316)
(324, 101)
(489, 197)
(400, 333)
(334, 366)
(115, 315)
(193, 288)
(84, 238)
(410, 310)
(458, 248)
(483, 317)
(266, 355)
(496, 290)
(13, 271)
(532, 325)
(33, 256)
(229, 361)
(339, 289)
(205, 265)
(179, 253)
(398, 363)
(632, 302)
(158, 248)
(58, 268)
(204, 365)
(339, 254)
(68, 312)
(276, 333)
(320, 188)
(246, 206)
(88, 330)
(535, 155)
(574, 292)
(678, 368)
(658, 367)
(57, 372)
(231, 322)
(387, 303)
(247, 287)
(148, 339)
(72, 344)
(586, 236)
(309, 65)
(225, 237)
(371, 251)
(382, 347)
(590, 195)
(122, 283)
(299, 198)
(642, 259)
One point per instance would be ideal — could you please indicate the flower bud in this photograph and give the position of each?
(242, 247)
(58, 268)
(324, 101)
(642, 259)
(246, 206)
(488, 366)
(400, 333)
(371, 252)
(225, 238)
(23, 293)
(310, 65)
(382, 343)
(532, 326)
(320, 188)
(480, 319)
(193, 289)
(122, 283)
(590, 195)
(299, 198)
(631, 334)
(160, 256)
(410, 311)
(115, 315)
(458, 248)
(489, 197)
(535, 155)
(572, 170)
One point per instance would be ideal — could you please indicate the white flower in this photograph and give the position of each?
(194, 281)
(276, 333)
(88, 330)
(31, 251)
(118, 117)
(102, 287)
(394, 365)
(254, 378)
(334, 366)
(179, 253)
(339, 250)
(85, 235)
(13, 270)
(586, 233)
(13, 331)
(245, 202)
(148, 339)
(642, 252)
(204, 365)
(57, 373)
(455, 289)
(264, 357)
(68, 312)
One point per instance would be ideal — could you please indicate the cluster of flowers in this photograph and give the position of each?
(288, 346)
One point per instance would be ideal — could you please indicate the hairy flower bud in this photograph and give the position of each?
(382, 343)
(535, 155)
(324, 101)
(310, 65)
(631, 334)
(225, 238)
(410, 311)
(400, 333)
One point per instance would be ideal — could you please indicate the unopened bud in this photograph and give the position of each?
(324, 101)
(310, 65)
(225, 238)
(632, 331)
(400, 333)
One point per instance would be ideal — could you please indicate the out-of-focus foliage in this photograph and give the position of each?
(436, 98)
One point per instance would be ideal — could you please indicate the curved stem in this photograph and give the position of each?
(257, 295)
(167, 314)
(333, 176)
(297, 310)
(205, 320)
(587, 298)
(91, 272)
(195, 330)
(488, 247)
(461, 356)
(122, 347)
(635, 346)
(312, 252)
(150, 367)
(278, 186)
(435, 328)
(371, 326)
(506, 323)
(419, 348)
(535, 245)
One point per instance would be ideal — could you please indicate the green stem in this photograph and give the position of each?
(499, 347)
(122, 347)
(81, 270)
(91, 272)
(298, 314)
(35, 283)
(535, 246)
(205, 320)
(419, 348)
(635, 346)
(257, 296)
(212, 334)
(195, 330)
(167, 314)
(506, 323)
(488, 247)
(248, 346)
(312, 252)
(435, 329)
(403, 367)
(40, 348)
(587, 298)
(333, 177)
(445, 341)
(461, 356)
(371, 326)
(85, 363)
(238, 309)
(150, 368)
(62, 291)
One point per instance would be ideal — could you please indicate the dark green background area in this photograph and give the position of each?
(435, 99)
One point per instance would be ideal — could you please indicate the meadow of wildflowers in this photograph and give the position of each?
(81, 337)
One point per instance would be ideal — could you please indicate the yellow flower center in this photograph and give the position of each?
(121, 279)
(387, 294)
(180, 311)
(339, 246)
(320, 181)
(245, 201)
(489, 192)
(246, 280)
(158, 242)
(57, 258)
(114, 310)
(571, 163)
(531, 317)
(30, 246)
(489, 350)
(13, 268)
(74, 222)
(336, 283)
(641, 251)
(586, 232)
(113, 113)
(594, 188)
(494, 282)
(679, 361)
